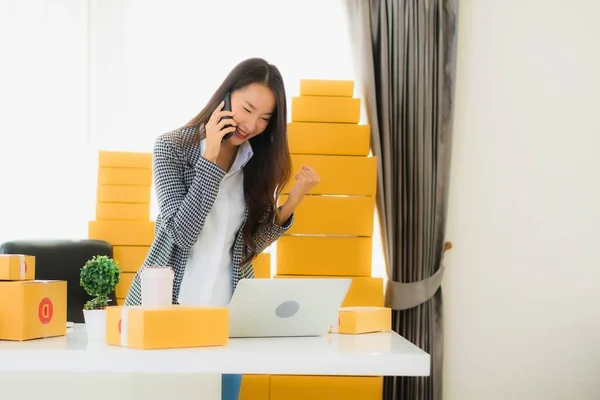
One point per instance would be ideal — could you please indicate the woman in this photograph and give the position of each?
(217, 195)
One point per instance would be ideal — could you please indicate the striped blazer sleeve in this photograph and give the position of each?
(183, 210)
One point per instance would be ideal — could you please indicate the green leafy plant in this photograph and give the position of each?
(98, 277)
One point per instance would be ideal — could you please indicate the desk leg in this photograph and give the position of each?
(109, 386)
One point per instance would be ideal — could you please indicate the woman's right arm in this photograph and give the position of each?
(183, 211)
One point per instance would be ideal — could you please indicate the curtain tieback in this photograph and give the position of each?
(402, 296)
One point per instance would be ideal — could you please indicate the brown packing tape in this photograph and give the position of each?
(22, 267)
(124, 327)
(45, 310)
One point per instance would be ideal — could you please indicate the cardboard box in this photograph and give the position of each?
(33, 309)
(130, 258)
(125, 211)
(255, 387)
(326, 109)
(363, 291)
(326, 87)
(340, 175)
(357, 320)
(124, 159)
(286, 387)
(333, 215)
(122, 233)
(124, 176)
(324, 255)
(17, 267)
(262, 266)
(123, 194)
(329, 139)
(124, 283)
(167, 327)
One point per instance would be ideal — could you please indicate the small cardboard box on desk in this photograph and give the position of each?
(358, 320)
(29, 309)
(167, 327)
(157, 324)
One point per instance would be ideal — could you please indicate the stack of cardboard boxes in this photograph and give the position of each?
(332, 234)
(29, 308)
(333, 229)
(123, 211)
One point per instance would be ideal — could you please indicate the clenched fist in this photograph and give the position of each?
(306, 179)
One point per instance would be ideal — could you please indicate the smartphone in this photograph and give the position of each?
(227, 107)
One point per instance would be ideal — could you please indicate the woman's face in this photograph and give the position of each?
(252, 106)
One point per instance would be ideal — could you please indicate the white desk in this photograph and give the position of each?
(195, 370)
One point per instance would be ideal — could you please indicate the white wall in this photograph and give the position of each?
(154, 64)
(522, 300)
(43, 118)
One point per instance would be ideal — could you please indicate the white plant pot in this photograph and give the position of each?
(95, 324)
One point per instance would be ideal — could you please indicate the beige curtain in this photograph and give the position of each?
(405, 53)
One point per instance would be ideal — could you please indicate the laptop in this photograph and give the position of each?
(286, 307)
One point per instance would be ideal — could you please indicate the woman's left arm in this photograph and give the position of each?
(270, 231)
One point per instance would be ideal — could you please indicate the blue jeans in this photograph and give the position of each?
(230, 386)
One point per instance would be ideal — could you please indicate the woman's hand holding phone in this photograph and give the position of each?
(220, 124)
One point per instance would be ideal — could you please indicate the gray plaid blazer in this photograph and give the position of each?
(186, 186)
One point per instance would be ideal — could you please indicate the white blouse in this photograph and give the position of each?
(207, 280)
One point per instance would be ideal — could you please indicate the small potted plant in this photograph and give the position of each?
(98, 277)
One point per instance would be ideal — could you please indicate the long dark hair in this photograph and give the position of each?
(269, 169)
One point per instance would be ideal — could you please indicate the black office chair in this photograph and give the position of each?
(62, 260)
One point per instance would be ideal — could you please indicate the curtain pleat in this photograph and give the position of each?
(406, 57)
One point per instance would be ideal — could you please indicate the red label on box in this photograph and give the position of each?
(45, 310)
